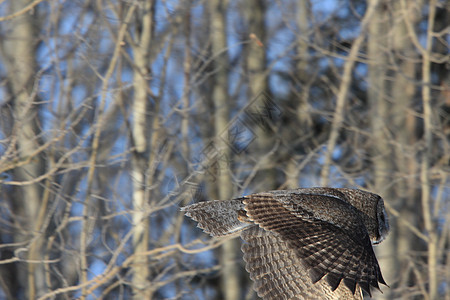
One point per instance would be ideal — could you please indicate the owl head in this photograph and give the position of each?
(372, 210)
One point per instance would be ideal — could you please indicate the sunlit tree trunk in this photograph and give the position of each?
(429, 216)
(18, 51)
(259, 100)
(141, 271)
(230, 275)
(381, 150)
(303, 79)
(403, 124)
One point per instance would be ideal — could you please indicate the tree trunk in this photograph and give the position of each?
(230, 275)
(381, 150)
(18, 52)
(259, 101)
(141, 268)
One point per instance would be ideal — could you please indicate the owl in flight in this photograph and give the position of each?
(307, 243)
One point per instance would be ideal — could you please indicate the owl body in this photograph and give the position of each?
(303, 243)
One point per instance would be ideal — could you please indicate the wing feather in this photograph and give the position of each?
(341, 254)
(217, 217)
(278, 273)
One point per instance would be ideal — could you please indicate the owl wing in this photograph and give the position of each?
(278, 273)
(218, 218)
(325, 248)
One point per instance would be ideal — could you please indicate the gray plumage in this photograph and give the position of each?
(303, 243)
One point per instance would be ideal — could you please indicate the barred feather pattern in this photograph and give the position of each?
(218, 218)
(320, 244)
(313, 243)
(278, 273)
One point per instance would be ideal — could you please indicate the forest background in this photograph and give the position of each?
(114, 114)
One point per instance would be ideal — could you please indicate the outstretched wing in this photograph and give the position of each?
(278, 272)
(326, 249)
(218, 218)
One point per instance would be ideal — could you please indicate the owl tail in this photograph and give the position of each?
(218, 218)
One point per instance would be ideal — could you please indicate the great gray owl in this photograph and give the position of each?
(302, 243)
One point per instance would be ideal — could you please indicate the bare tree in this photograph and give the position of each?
(25, 149)
(116, 113)
(229, 253)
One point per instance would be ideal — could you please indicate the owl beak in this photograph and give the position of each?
(378, 239)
